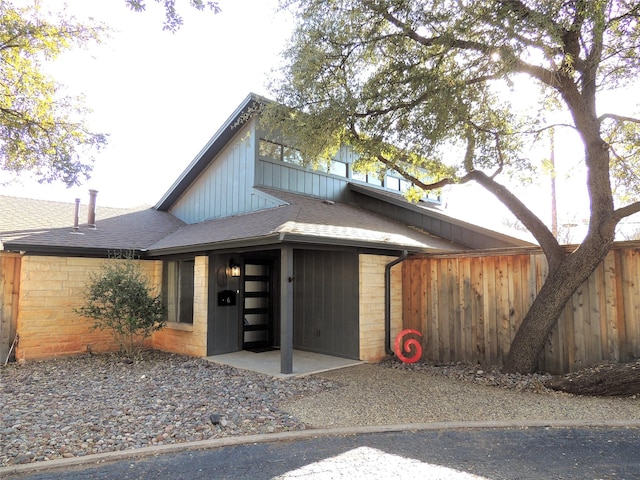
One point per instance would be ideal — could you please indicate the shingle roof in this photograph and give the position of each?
(303, 219)
(45, 226)
(318, 218)
(429, 214)
(41, 224)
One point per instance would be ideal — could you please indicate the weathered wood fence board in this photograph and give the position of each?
(468, 307)
(9, 291)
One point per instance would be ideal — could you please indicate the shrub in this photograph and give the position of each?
(120, 299)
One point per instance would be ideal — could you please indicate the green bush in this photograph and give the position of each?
(120, 299)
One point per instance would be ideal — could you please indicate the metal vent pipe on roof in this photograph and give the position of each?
(75, 217)
(91, 220)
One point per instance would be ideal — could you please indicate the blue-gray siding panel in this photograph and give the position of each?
(290, 178)
(225, 187)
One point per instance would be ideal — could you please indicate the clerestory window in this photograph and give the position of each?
(282, 153)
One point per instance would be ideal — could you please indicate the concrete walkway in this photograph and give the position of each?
(304, 363)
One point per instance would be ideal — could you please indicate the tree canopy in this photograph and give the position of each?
(42, 131)
(173, 19)
(433, 89)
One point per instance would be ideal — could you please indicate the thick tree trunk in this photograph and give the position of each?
(567, 273)
(548, 305)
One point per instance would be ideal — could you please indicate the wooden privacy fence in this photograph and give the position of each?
(9, 291)
(468, 307)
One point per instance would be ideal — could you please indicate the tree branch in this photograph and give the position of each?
(525, 13)
(395, 107)
(550, 246)
(431, 41)
(633, 13)
(626, 211)
(416, 181)
(545, 76)
(617, 118)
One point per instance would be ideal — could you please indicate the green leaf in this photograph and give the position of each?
(40, 131)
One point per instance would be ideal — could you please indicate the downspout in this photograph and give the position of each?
(387, 301)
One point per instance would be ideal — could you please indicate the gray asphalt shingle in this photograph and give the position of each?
(31, 222)
(27, 224)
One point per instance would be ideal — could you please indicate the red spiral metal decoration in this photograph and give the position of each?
(410, 345)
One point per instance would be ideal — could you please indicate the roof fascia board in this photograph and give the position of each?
(270, 240)
(208, 152)
(309, 239)
(273, 239)
(280, 238)
(57, 251)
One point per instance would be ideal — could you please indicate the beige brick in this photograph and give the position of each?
(372, 304)
(51, 287)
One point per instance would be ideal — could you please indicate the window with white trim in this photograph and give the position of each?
(393, 181)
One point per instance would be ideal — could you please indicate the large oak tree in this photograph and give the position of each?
(428, 88)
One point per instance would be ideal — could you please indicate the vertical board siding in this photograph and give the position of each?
(325, 304)
(291, 178)
(468, 308)
(226, 186)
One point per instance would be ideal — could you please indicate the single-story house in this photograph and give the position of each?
(250, 248)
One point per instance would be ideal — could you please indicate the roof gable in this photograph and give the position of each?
(249, 106)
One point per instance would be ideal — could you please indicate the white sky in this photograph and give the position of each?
(161, 96)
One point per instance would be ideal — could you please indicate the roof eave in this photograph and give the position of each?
(361, 244)
(261, 241)
(67, 251)
(292, 238)
(441, 216)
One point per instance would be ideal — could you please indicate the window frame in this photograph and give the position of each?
(178, 288)
(280, 152)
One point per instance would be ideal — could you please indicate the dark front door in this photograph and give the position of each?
(257, 314)
(223, 333)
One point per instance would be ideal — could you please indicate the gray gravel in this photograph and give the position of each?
(395, 393)
(92, 404)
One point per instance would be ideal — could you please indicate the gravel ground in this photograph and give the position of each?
(396, 393)
(92, 404)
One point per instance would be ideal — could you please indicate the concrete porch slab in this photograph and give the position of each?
(304, 363)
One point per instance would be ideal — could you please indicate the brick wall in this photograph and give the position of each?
(50, 289)
(185, 338)
(372, 299)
